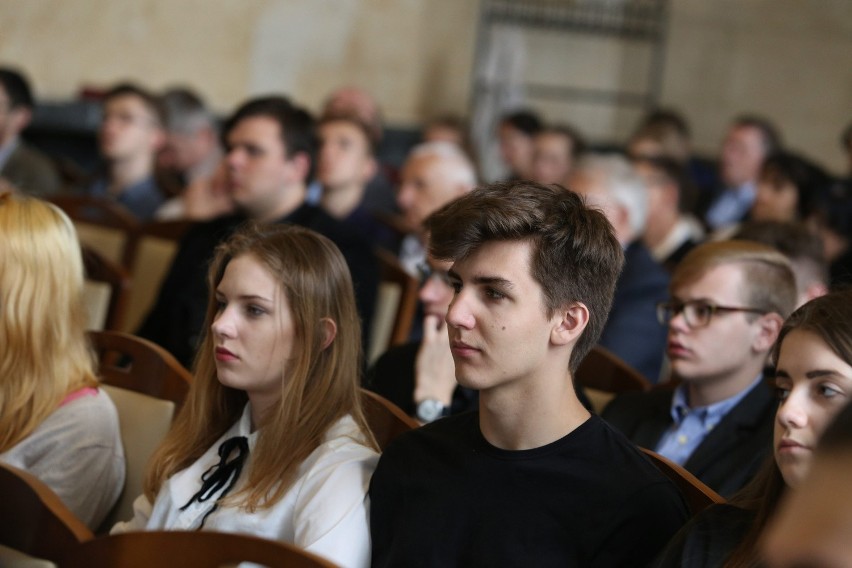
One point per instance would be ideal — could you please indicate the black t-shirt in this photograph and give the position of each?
(443, 496)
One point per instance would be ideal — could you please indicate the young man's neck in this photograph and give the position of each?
(292, 197)
(127, 172)
(710, 391)
(530, 415)
(341, 201)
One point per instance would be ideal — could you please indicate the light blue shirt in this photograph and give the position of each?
(731, 206)
(691, 425)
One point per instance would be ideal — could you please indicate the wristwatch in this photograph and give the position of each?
(431, 409)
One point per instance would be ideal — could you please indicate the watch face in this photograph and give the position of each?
(429, 410)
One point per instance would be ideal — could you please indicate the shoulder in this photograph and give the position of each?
(640, 267)
(448, 436)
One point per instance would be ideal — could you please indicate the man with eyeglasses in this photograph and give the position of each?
(728, 301)
(420, 377)
(130, 135)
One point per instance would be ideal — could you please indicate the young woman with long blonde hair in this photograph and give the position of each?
(54, 422)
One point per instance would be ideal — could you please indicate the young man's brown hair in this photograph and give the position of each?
(575, 255)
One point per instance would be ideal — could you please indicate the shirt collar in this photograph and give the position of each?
(710, 414)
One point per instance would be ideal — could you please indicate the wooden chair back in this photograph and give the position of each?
(101, 224)
(696, 494)
(386, 420)
(149, 257)
(34, 520)
(139, 365)
(144, 422)
(395, 308)
(603, 375)
(188, 549)
(106, 291)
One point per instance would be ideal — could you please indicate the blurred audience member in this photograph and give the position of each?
(516, 133)
(788, 188)
(21, 165)
(434, 174)
(670, 232)
(555, 150)
(346, 162)
(632, 332)
(130, 136)
(801, 246)
(191, 152)
(748, 142)
(55, 422)
(833, 222)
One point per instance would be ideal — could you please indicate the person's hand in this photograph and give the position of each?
(435, 371)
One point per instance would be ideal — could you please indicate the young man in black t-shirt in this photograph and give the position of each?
(532, 478)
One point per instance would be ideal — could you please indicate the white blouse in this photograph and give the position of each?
(326, 511)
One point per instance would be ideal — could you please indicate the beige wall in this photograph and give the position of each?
(789, 59)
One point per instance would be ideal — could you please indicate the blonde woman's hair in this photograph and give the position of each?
(322, 382)
(44, 353)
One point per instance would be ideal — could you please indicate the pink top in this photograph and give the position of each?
(85, 391)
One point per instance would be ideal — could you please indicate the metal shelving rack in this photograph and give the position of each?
(643, 21)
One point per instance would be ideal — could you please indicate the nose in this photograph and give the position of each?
(459, 314)
(792, 413)
(678, 322)
(234, 157)
(223, 325)
(429, 290)
(404, 196)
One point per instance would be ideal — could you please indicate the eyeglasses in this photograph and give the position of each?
(425, 271)
(697, 313)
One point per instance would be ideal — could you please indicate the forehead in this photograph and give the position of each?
(245, 274)
(509, 260)
(127, 103)
(261, 130)
(343, 128)
(553, 141)
(724, 283)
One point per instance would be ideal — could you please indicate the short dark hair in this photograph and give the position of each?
(674, 172)
(298, 132)
(808, 178)
(356, 121)
(668, 118)
(525, 120)
(17, 88)
(795, 241)
(575, 254)
(768, 131)
(578, 142)
(151, 101)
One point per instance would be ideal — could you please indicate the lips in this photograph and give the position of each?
(676, 350)
(462, 349)
(788, 445)
(223, 354)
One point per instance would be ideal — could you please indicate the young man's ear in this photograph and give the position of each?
(571, 321)
(328, 330)
(767, 332)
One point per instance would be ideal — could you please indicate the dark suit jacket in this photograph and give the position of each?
(632, 331)
(177, 319)
(729, 455)
(31, 171)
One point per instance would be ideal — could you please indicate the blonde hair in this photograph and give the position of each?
(44, 353)
(322, 383)
(770, 284)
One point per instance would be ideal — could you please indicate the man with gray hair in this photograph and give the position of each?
(434, 174)
(632, 332)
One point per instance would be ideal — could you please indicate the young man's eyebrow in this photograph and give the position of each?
(498, 280)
